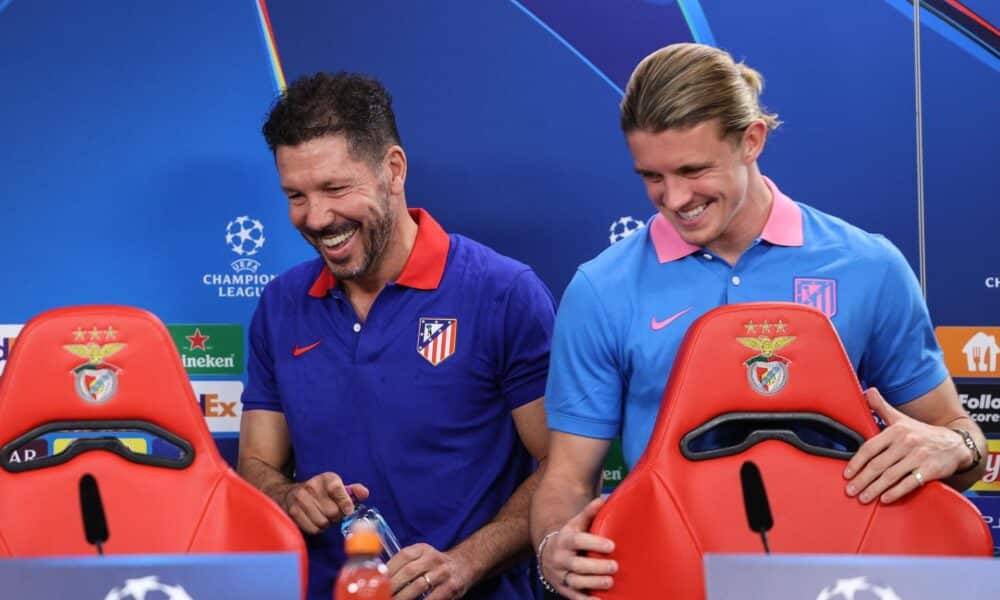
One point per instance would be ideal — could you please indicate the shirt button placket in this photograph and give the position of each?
(733, 288)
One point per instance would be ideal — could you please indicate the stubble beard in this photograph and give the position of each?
(374, 245)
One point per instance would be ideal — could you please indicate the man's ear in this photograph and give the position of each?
(754, 139)
(395, 165)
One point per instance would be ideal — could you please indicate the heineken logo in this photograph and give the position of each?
(767, 372)
(209, 349)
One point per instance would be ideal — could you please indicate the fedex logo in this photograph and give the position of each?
(212, 406)
(220, 403)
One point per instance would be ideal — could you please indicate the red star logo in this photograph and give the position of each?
(197, 340)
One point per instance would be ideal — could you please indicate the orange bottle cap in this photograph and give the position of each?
(363, 541)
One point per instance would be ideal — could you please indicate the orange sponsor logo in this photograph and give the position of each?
(971, 351)
(991, 478)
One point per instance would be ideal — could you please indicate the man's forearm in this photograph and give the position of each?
(505, 539)
(556, 502)
(266, 478)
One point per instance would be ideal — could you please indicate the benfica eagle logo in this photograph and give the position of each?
(767, 371)
(96, 380)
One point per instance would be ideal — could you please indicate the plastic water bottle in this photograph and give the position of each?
(364, 575)
(371, 516)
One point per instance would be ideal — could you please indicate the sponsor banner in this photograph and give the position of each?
(990, 482)
(209, 349)
(220, 403)
(989, 505)
(982, 401)
(8, 335)
(615, 469)
(970, 351)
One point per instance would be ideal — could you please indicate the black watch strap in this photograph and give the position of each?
(971, 445)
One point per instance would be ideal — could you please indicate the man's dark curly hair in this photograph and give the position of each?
(354, 105)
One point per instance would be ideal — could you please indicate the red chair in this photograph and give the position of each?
(760, 377)
(84, 369)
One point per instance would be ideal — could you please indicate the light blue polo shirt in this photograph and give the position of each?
(625, 312)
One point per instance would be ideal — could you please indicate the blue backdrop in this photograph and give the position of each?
(131, 144)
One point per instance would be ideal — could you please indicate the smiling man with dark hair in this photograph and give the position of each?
(404, 364)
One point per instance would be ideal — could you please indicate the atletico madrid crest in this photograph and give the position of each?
(436, 338)
(818, 293)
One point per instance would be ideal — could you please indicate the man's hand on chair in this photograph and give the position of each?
(564, 565)
(318, 502)
(905, 455)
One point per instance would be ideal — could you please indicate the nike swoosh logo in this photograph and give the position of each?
(300, 351)
(658, 325)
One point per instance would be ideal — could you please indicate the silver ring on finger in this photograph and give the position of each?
(565, 580)
(428, 581)
(918, 476)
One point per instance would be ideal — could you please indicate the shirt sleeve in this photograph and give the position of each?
(902, 358)
(262, 389)
(529, 316)
(585, 392)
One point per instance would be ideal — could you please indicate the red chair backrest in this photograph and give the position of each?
(672, 508)
(87, 366)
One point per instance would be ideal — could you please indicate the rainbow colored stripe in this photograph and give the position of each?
(272, 47)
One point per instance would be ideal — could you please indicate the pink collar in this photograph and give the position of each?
(783, 228)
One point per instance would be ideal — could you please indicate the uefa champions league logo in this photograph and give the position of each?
(622, 228)
(245, 236)
(147, 588)
(857, 588)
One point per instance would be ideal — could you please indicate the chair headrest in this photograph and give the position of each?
(98, 364)
(746, 362)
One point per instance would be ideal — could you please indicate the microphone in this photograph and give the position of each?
(95, 526)
(755, 502)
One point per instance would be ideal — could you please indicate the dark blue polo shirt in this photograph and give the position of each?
(415, 403)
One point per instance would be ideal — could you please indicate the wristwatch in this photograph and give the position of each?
(971, 445)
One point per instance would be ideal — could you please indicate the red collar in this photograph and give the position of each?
(424, 267)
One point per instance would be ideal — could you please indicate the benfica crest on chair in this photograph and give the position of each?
(96, 380)
(767, 372)
(436, 338)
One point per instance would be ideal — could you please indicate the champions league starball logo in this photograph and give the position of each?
(245, 238)
(857, 588)
(622, 228)
(147, 588)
